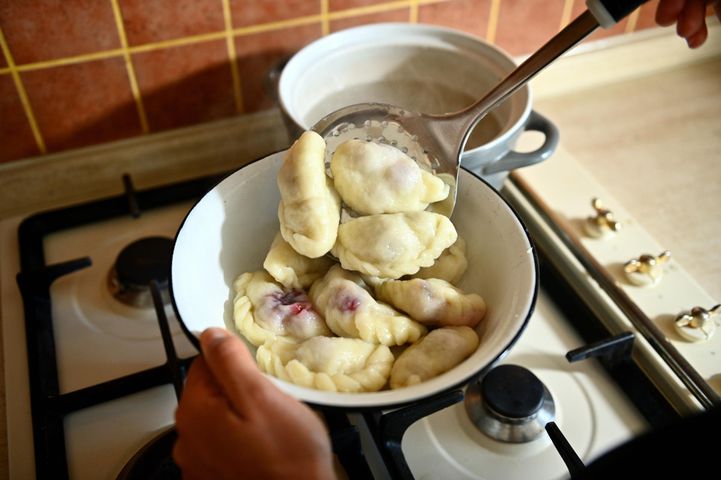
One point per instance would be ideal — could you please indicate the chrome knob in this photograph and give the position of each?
(646, 270)
(602, 223)
(697, 324)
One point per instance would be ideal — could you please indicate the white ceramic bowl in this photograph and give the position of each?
(229, 231)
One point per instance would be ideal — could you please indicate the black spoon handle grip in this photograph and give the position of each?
(610, 12)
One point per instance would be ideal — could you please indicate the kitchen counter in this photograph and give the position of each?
(616, 104)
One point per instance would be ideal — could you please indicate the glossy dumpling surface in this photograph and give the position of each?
(378, 178)
(394, 244)
(450, 266)
(434, 354)
(290, 268)
(433, 301)
(309, 209)
(263, 310)
(351, 311)
(328, 363)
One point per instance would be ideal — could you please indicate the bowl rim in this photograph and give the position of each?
(336, 399)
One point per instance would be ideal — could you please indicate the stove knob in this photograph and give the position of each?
(602, 224)
(697, 325)
(646, 270)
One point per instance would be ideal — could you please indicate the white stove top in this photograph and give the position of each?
(98, 339)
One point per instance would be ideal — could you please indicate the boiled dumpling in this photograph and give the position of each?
(394, 244)
(434, 354)
(290, 268)
(450, 266)
(433, 302)
(309, 210)
(378, 178)
(351, 311)
(328, 363)
(263, 309)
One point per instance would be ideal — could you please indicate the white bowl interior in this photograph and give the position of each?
(229, 231)
(419, 67)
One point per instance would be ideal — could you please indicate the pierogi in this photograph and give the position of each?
(290, 268)
(263, 310)
(351, 311)
(376, 178)
(328, 363)
(309, 209)
(433, 302)
(391, 283)
(391, 245)
(432, 355)
(450, 266)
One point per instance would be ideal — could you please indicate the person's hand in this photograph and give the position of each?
(232, 422)
(689, 17)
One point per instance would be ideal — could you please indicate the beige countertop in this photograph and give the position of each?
(616, 106)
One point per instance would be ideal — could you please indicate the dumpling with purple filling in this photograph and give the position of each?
(264, 310)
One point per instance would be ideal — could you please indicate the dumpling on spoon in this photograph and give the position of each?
(391, 245)
(351, 311)
(433, 302)
(328, 363)
(377, 178)
(263, 310)
(309, 210)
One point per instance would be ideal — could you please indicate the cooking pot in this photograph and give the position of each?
(229, 231)
(425, 69)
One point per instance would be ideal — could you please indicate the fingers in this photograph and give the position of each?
(233, 369)
(691, 23)
(668, 11)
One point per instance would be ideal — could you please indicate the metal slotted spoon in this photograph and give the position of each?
(436, 141)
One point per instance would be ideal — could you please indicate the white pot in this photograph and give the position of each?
(421, 68)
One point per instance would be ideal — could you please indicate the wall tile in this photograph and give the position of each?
(3, 63)
(647, 15)
(470, 16)
(525, 25)
(185, 85)
(147, 22)
(255, 12)
(258, 53)
(16, 137)
(50, 29)
(82, 104)
(335, 5)
(399, 15)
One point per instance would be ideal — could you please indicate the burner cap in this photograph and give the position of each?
(138, 264)
(512, 391)
(510, 404)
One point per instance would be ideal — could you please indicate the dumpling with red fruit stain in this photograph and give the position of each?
(264, 310)
(351, 311)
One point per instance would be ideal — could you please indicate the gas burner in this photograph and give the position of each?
(510, 404)
(137, 265)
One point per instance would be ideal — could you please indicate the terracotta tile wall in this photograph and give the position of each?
(80, 72)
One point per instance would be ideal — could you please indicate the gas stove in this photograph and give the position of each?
(94, 364)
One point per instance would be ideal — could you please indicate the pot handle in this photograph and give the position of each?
(513, 160)
(272, 78)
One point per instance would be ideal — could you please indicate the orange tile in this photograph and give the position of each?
(525, 25)
(16, 137)
(399, 15)
(44, 30)
(82, 104)
(258, 53)
(3, 63)
(335, 5)
(256, 12)
(470, 16)
(185, 85)
(147, 22)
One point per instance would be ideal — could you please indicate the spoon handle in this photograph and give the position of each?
(600, 13)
